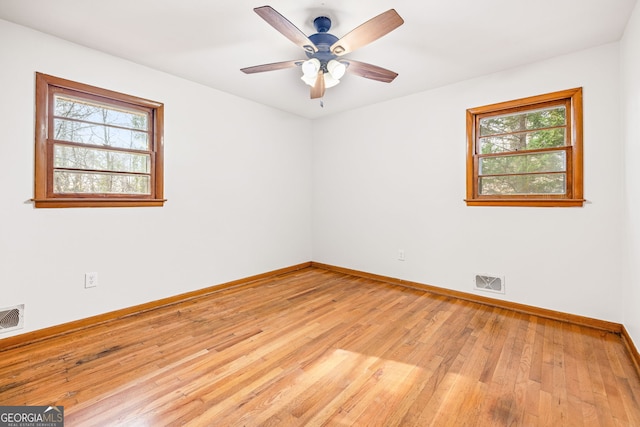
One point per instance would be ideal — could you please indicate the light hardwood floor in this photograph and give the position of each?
(316, 347)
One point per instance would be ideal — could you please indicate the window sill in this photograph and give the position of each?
(527, 202)
(96, 203)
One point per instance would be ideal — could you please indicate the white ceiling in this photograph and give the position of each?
(441, 41)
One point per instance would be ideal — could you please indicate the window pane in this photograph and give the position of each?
(94, 159)
(85, 182)
(96, 113)
(528, 120)
(523, 141)
(87, 133)
(523, 163)
(523, 184)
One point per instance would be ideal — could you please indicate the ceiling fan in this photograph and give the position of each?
(324, 65)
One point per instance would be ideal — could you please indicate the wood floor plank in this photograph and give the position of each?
(315, 347)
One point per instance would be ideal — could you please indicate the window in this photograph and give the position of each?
(96, 147)
(526, 152)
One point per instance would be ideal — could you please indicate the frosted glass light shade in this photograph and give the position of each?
(311, 67)
(336, 69)
(329, 81)
(310, 80)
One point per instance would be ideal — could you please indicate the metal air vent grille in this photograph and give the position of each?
(489, 283)
(11, 318)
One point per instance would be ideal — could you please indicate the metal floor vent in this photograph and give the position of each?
(490, 283)
(11, 318)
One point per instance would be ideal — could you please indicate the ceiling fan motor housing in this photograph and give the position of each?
(323, 41)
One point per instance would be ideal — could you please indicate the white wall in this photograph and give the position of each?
(243, 200)
(392, 176)
(238, 191)
(630, 46)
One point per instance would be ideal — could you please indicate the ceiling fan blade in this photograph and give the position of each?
(271, 67)
(370, 31)
(369, 71)
(317, 90)
(286, 28)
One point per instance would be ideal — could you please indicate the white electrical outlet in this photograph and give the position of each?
(90, 280)
(401, 255)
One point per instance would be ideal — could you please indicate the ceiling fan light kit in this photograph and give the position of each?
(332, 72)
(322, 69)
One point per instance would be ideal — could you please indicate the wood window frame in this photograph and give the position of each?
(574, 148)
(44, 196)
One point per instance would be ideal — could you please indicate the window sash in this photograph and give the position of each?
(567, 173)
(94, 181)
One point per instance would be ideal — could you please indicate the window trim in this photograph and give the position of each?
(44, 197)
(574, 195)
